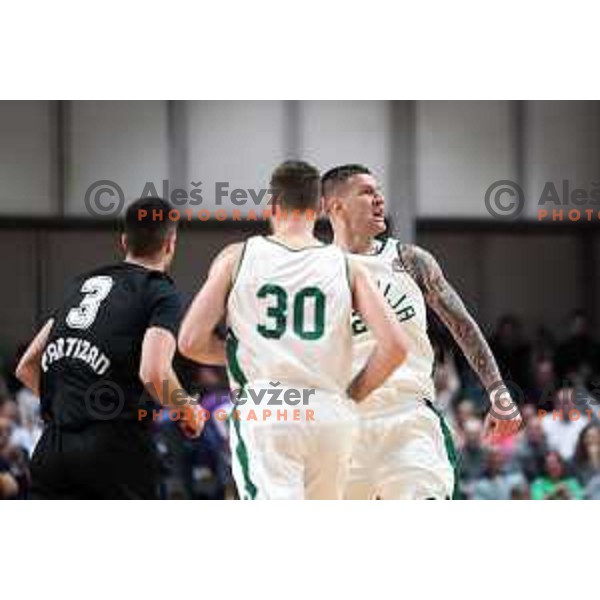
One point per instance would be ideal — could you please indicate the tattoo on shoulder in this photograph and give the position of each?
(421, 265)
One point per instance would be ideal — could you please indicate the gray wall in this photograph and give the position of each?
(538, 276)
(51, 152)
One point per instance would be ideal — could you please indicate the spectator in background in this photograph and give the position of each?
(555, 483)
(24, 438)
(511, 351)
(587, 454)
(543, 346)
(528, 412)
(543, 387)
(498, 482)
(579, 354)
(30, 426)
(473, 456)
(14, 473)
(465, 410)
(9, 487)
(446, 380)
(531, 449)
(565, 423)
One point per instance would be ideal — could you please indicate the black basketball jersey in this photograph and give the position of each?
(90, 366)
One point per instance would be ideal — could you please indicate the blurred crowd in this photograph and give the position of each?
(557, 386)
(555, 456)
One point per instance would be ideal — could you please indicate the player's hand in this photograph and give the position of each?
(504, 418)
(191, 421)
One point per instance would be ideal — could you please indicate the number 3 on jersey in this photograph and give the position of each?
(278, 310)
(96, 289)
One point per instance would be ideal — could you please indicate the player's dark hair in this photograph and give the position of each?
(295, 184)
(147, 226)
(341, 174)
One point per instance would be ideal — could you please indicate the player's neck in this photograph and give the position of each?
(354, 243)
(295, 233)
(153, 264)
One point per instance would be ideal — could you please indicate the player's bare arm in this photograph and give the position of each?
(29, 367)
(391, 343)
(8, 486)
(161, 382)
(443, 299)
(198, 339)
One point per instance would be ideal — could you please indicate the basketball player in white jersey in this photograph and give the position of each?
(288, 300)
(405, 449)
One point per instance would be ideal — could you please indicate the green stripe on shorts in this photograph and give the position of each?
(450, 447)
(241, 451)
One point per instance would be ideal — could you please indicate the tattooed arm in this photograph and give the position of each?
(443, 299)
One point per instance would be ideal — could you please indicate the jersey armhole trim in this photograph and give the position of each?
(348, 277)
(399, 245)
(238, 267)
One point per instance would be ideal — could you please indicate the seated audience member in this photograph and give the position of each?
(543, 387)
(14, 475)
(592, 489)
(555, 483)
(497, 482)
(531, 449)
(30, 418)
(465, 410)
(579, 353)
(473, 455)
(23, 437)
(446, 381)
(587, 454)
(563, 425)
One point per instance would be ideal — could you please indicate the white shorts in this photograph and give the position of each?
(407, 454)
(305, 455)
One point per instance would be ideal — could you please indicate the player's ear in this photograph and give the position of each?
(124, 243)
(321, 207)
(171, 241)
(330, 205)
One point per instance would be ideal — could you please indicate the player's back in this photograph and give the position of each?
(90, 366)
(289, 315)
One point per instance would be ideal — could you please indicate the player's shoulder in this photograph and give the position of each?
(412, 253)
(231, 254)
(418, 262)
(102, 271)
(235, 249)
(142, 283)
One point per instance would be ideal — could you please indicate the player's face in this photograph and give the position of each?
(363, 206)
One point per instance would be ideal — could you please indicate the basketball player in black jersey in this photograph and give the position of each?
(106, 353)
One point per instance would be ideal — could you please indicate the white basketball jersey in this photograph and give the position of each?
(405, 298)
(289, 317)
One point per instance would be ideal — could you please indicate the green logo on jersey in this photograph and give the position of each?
(402, 307)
